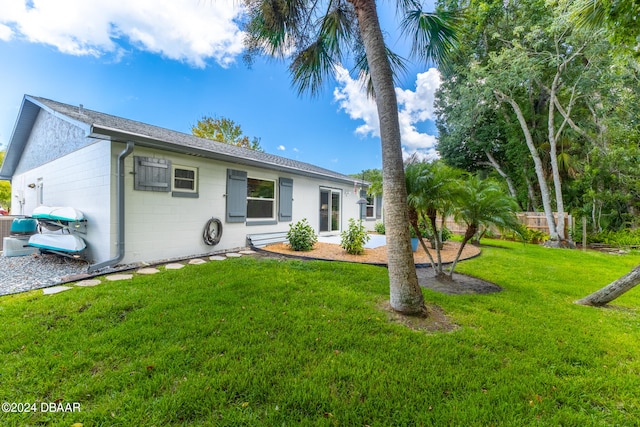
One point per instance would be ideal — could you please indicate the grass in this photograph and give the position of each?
(266, 342)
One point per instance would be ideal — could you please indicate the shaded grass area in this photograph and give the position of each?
(268, 342)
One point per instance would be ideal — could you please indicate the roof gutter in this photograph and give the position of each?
(120, 210)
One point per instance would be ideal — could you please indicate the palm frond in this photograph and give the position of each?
(398, 68)
(589, 14)
(432, 35)
(274, 26)
(337, 28)
(311, 66)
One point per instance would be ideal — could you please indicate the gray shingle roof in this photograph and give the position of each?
(148, 135)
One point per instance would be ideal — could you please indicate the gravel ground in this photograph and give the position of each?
(25, 273)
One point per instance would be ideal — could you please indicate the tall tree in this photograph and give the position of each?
(526, 64)
(318, 35)
(620, 20)
(225, 130)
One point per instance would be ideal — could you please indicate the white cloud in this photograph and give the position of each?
(414, 107)
(281, 147)
(192, 31)
(6, 33)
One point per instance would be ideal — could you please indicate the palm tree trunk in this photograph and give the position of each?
(413, 219)
(468, 235)
(405, 292)
(613, 290)
(438, 245)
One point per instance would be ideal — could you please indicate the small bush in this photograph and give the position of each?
(526, 234)
(354, 238)
(620, 238)
(379, 228)
(301, 236)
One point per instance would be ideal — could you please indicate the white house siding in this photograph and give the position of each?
(160, 226)
(80, 179)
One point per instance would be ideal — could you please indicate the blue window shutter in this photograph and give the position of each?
(236, 196)
(285, 210)
(152, 174)
(378, 206)
(363, 208)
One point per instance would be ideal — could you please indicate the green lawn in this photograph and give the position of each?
(266, 342)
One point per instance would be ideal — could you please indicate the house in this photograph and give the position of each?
(147, 192)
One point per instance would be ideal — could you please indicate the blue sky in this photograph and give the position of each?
(168, 63)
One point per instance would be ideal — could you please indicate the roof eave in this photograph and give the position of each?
(99, 131)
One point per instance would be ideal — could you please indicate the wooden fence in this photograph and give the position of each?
(5, 228)
(533, 220)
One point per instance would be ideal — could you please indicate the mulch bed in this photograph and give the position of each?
(461, 284)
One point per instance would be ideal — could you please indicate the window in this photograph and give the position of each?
(370, 207)
(184, 181)
(261, 195)
(253, 201)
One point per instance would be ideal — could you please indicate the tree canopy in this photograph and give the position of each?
(225, 130)
(546, 106)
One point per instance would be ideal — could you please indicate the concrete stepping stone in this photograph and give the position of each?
(90, 282)
(217, 258)
(148, 270)
(197, 261)
(174, 266)
(247, 252)
(233, 255)
(116, 277)
(55, 289)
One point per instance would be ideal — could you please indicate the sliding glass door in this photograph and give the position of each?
(329, 210)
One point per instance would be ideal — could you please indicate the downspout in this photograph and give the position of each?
(120, 210)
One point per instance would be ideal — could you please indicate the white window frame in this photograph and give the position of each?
(371, 203)
(193, 190)
(273, 200)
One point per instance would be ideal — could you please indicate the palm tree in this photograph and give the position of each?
(318, 35)
(431, 191)
(483, 203)
(415, 174)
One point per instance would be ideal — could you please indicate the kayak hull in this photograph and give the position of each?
(69, 243)
(57, 213)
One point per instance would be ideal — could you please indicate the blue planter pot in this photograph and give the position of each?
(414, 243)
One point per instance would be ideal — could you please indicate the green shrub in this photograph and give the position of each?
(620, 238)
(427, 232)
(354, 238)
(526, 234)
(301, 236)
(379, 227)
